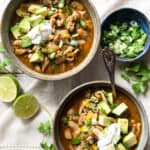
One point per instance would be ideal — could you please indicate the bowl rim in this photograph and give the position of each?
(66, 99)
(86, 61)
(140, 55)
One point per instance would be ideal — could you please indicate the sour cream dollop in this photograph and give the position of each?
(40, 32)
(109, 136)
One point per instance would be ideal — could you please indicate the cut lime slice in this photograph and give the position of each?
(9, 88)
(26, 106)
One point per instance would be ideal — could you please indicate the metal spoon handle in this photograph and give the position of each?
(109, 60)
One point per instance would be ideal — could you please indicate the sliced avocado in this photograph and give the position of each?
(33, 8)
(36, 57)
(35, 20)
(26, 42)
(16, 31)
(43, 11)
(105, 121)
(110, 147)
(48, 50)
(120, 146)
(116, 139)
(110, 98)
(24, 25)
(130, 140)
(104, 107)
(120, 109)
(124, 124)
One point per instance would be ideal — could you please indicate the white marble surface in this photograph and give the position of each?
(15, 132)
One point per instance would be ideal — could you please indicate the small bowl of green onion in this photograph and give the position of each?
(126, 32)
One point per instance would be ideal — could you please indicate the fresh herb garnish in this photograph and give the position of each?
(65, 120)
(61, 4)
(83, 24)
(138, 74)
(5, 62)
(87, 146)
(88, 122)
(68, 10)
(126, 40)
(140, 87)
(45, 128)
(76, 141)
(92, 106)
(45, 146)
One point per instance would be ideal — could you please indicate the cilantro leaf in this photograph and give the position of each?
(45, 146)
(141, 74)
(3, 64)
(135, 67)
(144, 74)
(45, 128)
(125, 76)
(76, 141)
(140, 87)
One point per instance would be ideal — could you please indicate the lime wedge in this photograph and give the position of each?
(9, 88)
(26, 106)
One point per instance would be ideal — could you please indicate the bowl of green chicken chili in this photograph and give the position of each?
(51, 40)
(127, 32)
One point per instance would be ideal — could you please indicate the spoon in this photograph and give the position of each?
(110, 60)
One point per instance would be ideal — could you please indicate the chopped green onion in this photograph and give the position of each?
(93, 99)
(92, 106)
(88, 122)
(60, 44)
(65, 22)
(83, 24)
(125, 40)
(65, 120)
(74, 43)
(87, 146)
(61, 4)
(68, 10)
(75, 35)
(42, 42)
(48, 50)
(53, 55)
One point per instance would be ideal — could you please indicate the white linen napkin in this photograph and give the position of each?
(16, 134)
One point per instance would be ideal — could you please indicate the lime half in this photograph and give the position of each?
(26, 106)
(9, 88)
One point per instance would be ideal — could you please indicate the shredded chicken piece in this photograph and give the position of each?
(67, 134)
(21, 51)
(37, 68)
(17, 43)
(70, 25)
(45, 64)
(82, 33)
(58, 19)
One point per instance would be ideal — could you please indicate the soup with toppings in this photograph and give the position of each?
(96, 121)
(52, 37)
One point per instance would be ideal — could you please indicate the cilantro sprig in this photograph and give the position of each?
(5, 62)
(45, 128)
(138, 74)
(45, 146)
